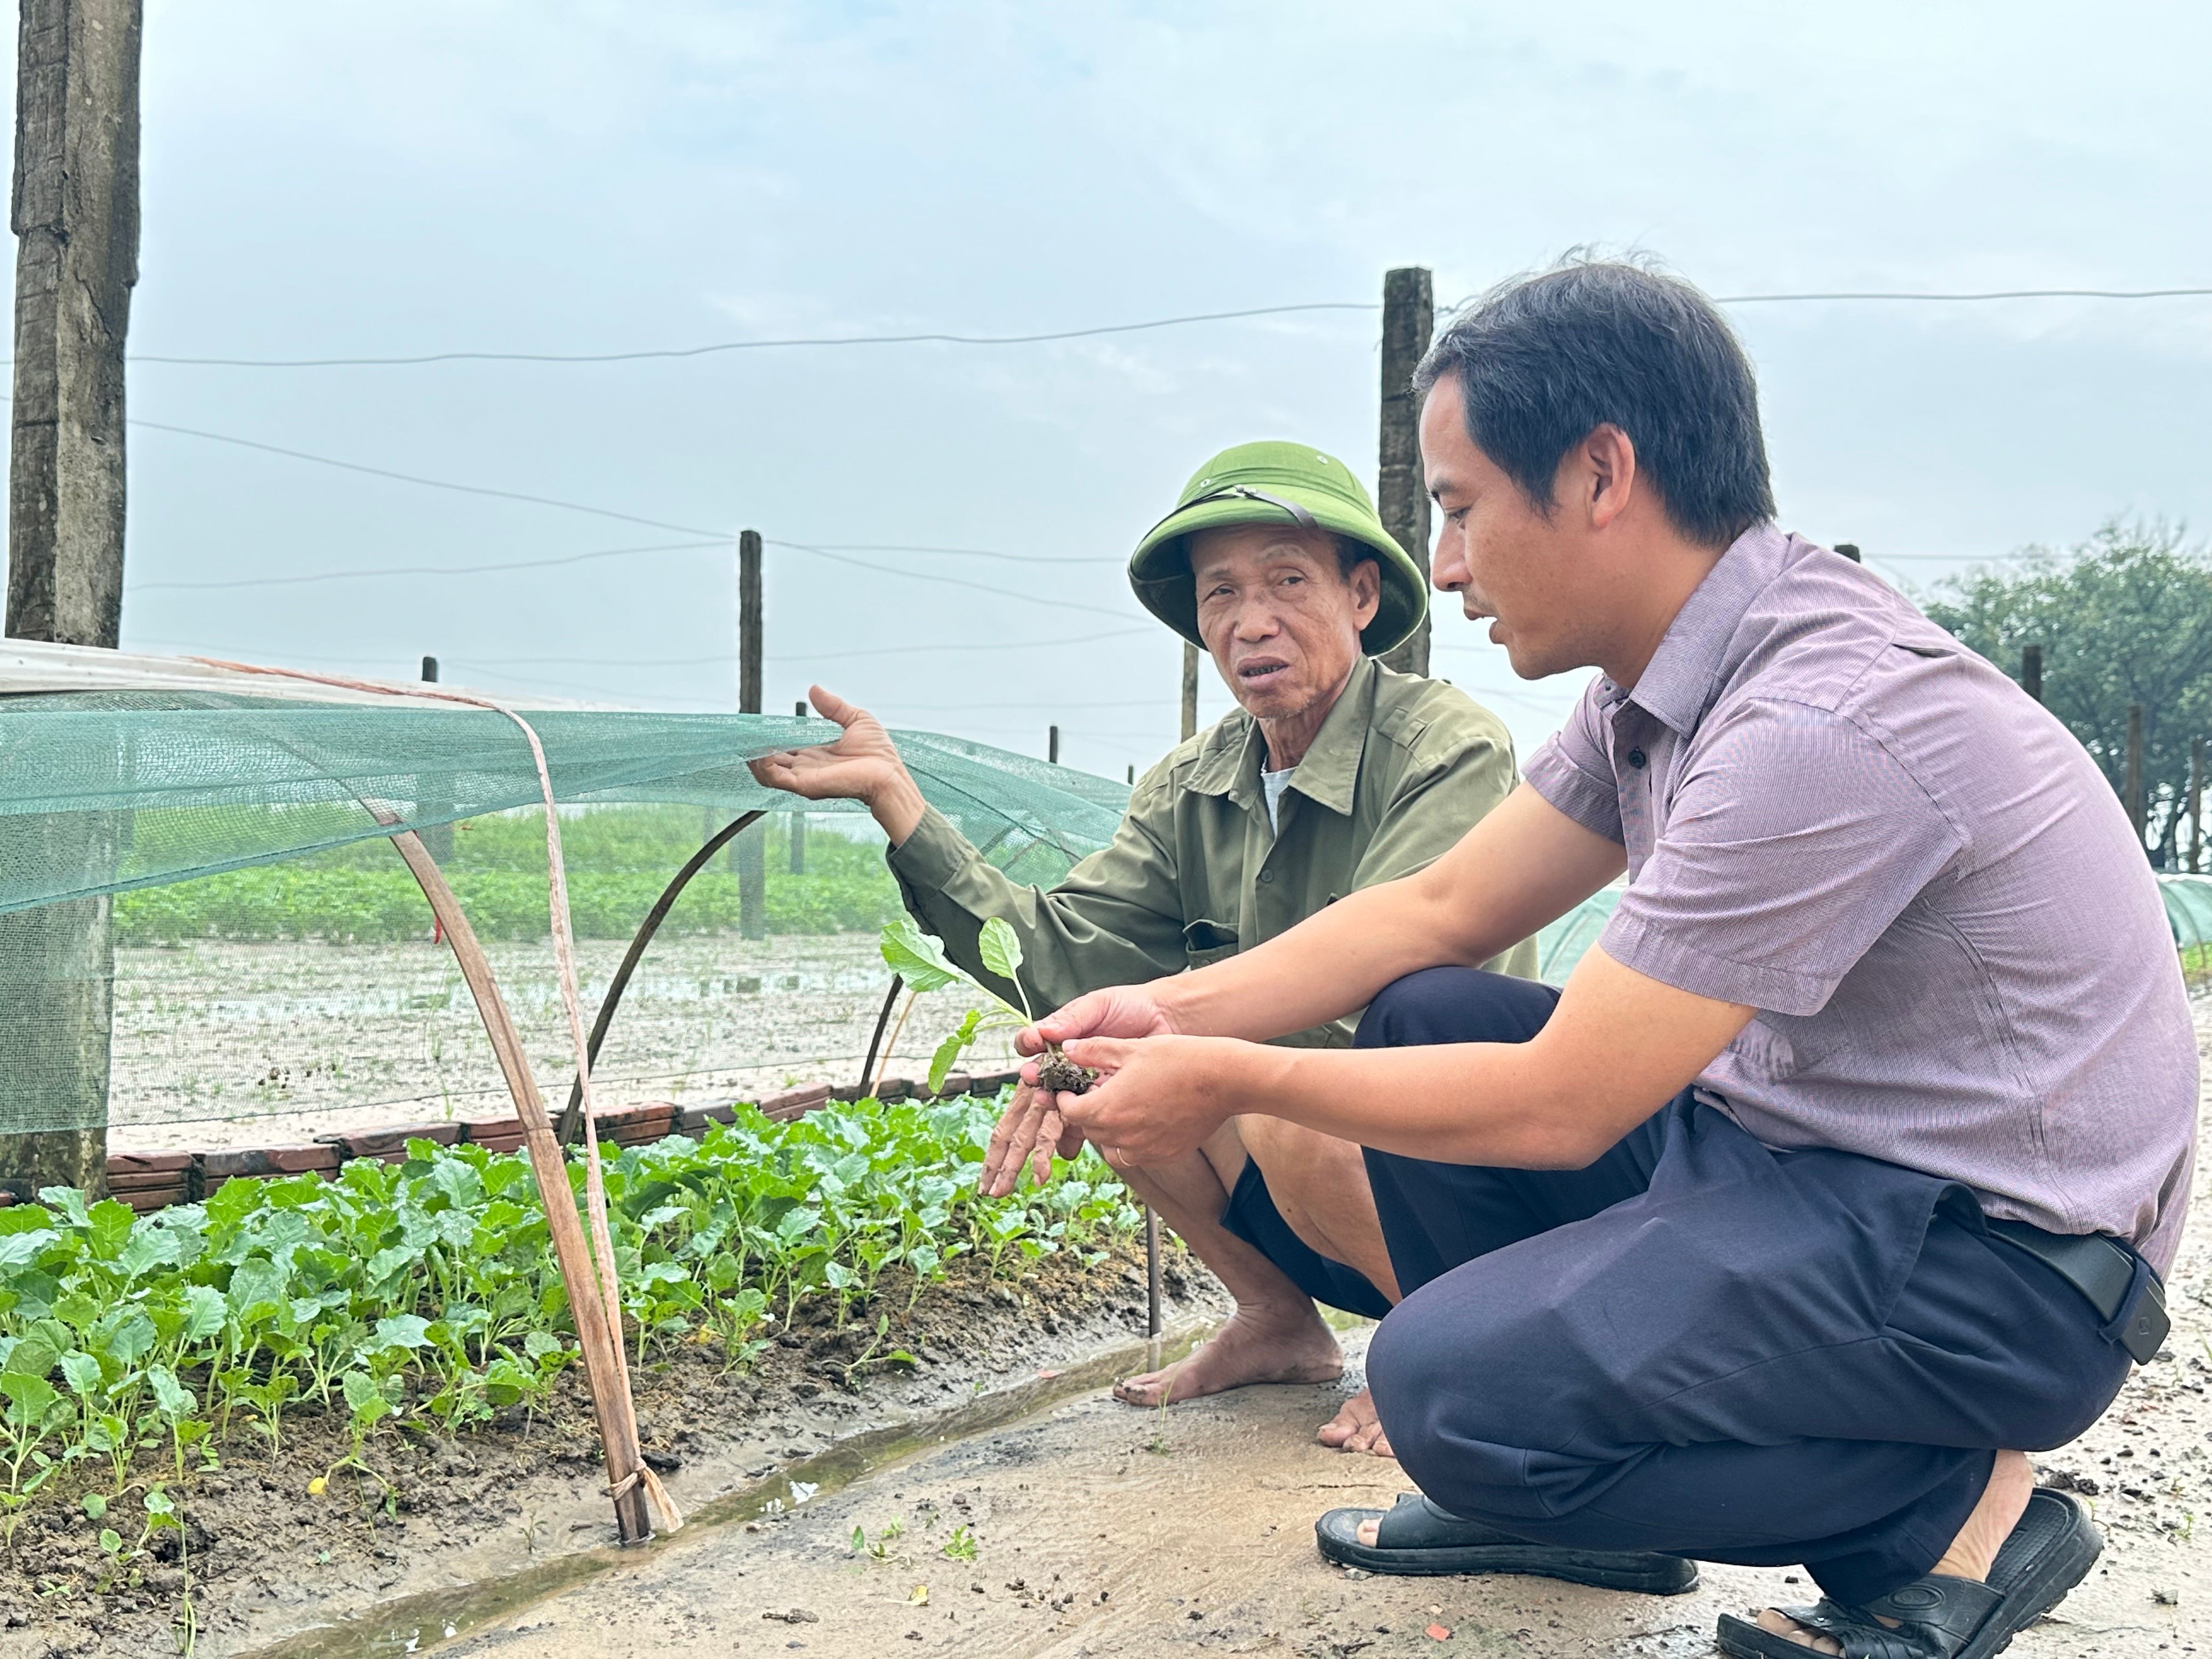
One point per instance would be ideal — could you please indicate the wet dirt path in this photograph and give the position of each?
(1101, 1532)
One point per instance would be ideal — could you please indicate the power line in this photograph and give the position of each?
(940, 339)
(970, 552)
(753, 345)
(435, 570)
(951, 582)
(729, 657)
(1997, 294)
(428, 483)
(965, 649)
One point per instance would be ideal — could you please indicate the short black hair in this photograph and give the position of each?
(1543, 360)
(1352, 553)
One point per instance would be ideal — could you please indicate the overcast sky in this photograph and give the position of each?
(354, 179)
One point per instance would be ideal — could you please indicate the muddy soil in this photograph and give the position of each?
(1101, 1533)
(522, 1494)
(219, 1043)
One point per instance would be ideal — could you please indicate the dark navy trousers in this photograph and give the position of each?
(1701, 1346)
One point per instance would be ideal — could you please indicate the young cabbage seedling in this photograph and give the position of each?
(921, 961)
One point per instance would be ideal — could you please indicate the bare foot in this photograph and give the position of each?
(1258, 1345)
(1357, 1428)
(2004, 1500)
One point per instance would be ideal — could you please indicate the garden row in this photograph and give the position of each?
(153, 1181)
(420, 1285)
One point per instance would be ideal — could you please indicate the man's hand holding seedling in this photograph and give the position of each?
(1033, 1126)
(1158, 1093)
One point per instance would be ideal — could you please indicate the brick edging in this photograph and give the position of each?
(152, 1181)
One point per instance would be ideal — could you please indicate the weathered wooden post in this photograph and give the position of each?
(1850, 550)
(2196, 864)
(2131, 793)
(74, 214)
(2031, 671)
(798, 820)
(1401, 493)
(1190, 690)
(751, 848)
(1052, 744)
(437, 838)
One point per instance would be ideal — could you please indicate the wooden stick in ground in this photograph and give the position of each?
(571, 1127)
(876, 1041)
(604, 1370)
(1152, 1272)
(891, 1047)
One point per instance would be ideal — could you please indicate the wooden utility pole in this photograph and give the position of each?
(75, 213)
(2031, 671)
(1402, 493)
(2132, 792)
(798, 820)
(437, 838)
(750, 847)
(1190, 690)
(1052, 744)
(2196, 864)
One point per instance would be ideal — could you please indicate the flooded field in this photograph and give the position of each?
(226, 1043)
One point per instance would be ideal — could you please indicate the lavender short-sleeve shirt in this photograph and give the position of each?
(1836, 813)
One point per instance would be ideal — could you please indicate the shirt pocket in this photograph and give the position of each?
(1205, 942)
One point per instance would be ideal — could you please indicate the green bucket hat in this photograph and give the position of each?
(1275, 482)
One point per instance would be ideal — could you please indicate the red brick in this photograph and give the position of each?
(695, 1119)
(391, 1144)
(120, 1163)
(795, 1102)
(317, 1158)
(143, 1199)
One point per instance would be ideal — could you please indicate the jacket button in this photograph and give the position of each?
(1266, 876)
(1635, 758)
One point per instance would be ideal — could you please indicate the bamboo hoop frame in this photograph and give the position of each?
(605, 1370)
(571, 1116)
(587, 1266)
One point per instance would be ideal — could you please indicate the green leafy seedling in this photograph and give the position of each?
(920, 960)
(961, 1546)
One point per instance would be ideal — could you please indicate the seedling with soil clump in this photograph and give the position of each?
(920, 960)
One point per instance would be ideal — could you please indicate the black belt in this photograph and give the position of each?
(2118, 1284)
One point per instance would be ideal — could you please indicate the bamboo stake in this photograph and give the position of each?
(605, 1370)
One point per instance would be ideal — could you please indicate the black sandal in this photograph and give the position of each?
(1418, 1539)
(1939, 1616)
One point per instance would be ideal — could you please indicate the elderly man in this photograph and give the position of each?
(1335, 773)
(1843, 1170)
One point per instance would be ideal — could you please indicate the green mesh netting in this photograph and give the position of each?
(2189, 912)
(153, 817)
(103, 792)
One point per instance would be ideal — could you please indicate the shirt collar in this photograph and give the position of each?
(1232, 761)
(1685, 673)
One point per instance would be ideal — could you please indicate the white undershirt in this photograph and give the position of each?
(1273, 784)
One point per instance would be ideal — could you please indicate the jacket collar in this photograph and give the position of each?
(1233, 753)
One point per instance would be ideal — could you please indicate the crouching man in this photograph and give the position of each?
(1843, 1170)
(1334, 775)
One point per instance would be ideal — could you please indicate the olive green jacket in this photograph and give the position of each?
(1401, 769)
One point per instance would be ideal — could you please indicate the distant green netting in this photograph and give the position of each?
(105, 792)
(148, 817)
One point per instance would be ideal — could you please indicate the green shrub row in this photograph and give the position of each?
(301, 899)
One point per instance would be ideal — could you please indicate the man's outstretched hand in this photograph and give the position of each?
(862, 765)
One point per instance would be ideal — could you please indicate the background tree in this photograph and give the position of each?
(2125, 617)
